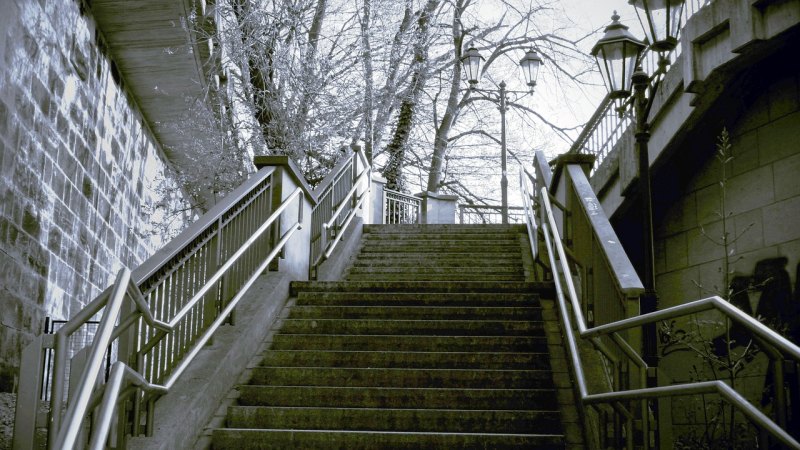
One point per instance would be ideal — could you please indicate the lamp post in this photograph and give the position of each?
(618, 54)
(530, 63)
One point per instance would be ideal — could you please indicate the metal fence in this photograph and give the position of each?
(80, 339)
(400, 208)
(485, 214)
(608, 125)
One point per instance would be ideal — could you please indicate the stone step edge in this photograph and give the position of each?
(426, 433)
(394, 389)
(390, 410)
(422, 287)
(407, 369)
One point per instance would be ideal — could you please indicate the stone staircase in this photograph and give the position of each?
(434, 340)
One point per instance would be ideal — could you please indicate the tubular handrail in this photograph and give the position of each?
(531, 227)
(345, 224)
(555, 249)
(349, 194)
(488, 213)
(159, 259)
(78, 406)
(327, 190)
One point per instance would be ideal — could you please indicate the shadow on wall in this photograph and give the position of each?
(700, 348)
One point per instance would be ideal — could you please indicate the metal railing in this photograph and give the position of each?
(624, 398)
(340, 195)
(78, 340)
(159, 317)
(400, 208)
(611, 121)
(483, 214)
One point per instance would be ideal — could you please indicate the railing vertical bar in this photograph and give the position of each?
(152, 332)
(189, 289)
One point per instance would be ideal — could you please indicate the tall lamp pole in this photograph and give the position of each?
(530, 63)
(503, 155)
(619, 54)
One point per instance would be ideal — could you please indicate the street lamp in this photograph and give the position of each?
(661, 21)
(616, 53)
(472, 61)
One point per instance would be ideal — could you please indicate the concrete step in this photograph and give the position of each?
(267, 439)
(420, 286)
(444, 228)
(435, 341)
(416, 312)
(385, 419)
(437, 270)
(441, 247)
(433, 277)
(406, 359)
(427, 327)
(401, 398)
(428, 261)
(417, 299)
(409, 343)
(491, 236)
(402, 377)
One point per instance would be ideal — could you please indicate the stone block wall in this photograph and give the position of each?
(79, 170)
(762, 203)
(762, 209)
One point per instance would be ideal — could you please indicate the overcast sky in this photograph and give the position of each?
(597, 13)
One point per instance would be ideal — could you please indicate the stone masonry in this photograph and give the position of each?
(763, 200)
(80, 170)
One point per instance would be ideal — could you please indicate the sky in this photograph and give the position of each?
(563, 106)
(576, 108)
(597, 13)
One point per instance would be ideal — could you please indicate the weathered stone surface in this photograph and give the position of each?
(79, 171)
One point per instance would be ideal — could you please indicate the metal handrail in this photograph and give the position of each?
(350, 193)
(531, 227)
(608, 125)
(351, 198)
(554, 247)
(123, 286)
(487, 213)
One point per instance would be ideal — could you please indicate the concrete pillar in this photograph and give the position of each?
(376, 202)
(438, 208)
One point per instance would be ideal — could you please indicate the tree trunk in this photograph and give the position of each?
(451, 113)
(366, 61)
(387, 96)
(393, 171)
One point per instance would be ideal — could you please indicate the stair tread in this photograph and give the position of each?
(434, 340)
(243, 439)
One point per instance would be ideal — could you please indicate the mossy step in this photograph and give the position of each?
(433, 277)
(416, 398)
(432, 261)
(416, 312)
(245, 439)
(420, 286)
(417, 299)
(381, 419)
(406, 359)
(485, 236)
(488, 270)
(402, 377)
(420, 343)
(441, 247)
(443, 228)
(428, 327)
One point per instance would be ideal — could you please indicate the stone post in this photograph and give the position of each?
(438, 208)
(376, 202)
